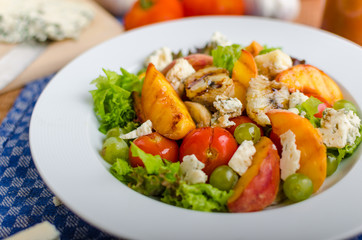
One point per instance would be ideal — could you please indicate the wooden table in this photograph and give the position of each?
(311, 14)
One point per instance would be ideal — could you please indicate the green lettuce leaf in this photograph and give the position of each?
(267, 49)
(225, 57)
(201, 197)
(150, 180)
(120, 169)
(112, 99)
(310, 107)
(160, 178)
(152, 163)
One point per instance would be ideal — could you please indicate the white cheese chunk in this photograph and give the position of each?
(227, 107)
(191, 170)
(242, 158)
(272, 63)
(42, 20)
(294, 110)
(219, 39)
(40, 231)
(223, 121)
(144, 129)
(289, 162)
(297, 98)
(176, 75)
(160, 58)
(339, 127)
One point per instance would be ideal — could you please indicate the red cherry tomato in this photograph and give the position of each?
(240, 120)
(212, 146)
(155, 144)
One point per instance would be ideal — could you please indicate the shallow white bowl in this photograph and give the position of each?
(65, 142)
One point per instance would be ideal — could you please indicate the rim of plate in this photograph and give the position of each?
(64, 139)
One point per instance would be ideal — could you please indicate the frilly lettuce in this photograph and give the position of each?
(201, 197)
(226, 56)
(161, 178)
(112, 99)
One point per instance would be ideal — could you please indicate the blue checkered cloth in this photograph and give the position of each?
(24, 198)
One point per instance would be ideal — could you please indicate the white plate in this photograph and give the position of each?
(65, 141)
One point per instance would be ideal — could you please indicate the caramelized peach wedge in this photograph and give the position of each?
(258, 186)
(163, 107)
(313, 158)
(310, 80)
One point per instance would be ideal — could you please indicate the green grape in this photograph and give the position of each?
(349, 106)
(332, 164)
(247, 131)
(114, 132)
(223, 178)
(298, 187)
(114, 148)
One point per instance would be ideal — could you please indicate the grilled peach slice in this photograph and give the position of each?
(258, 186)
(254, 48)
(244, 68)
(310, 80)
(313, 162)
(161, 104)
(197, 61)
(240, 93)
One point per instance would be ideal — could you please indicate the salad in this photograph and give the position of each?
(225, 127)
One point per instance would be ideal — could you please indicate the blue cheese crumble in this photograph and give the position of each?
(219, 39)
(227, 107)
(339, 127)
(272, 63)
(42, 20)
(160, 58)
(191, 170)
(177, 74)
(289, 162)
(242, 158)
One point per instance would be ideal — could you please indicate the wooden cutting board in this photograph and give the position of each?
(103, 27)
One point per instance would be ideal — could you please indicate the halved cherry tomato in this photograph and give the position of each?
(242, 119)
(155, 144)
(212, 146)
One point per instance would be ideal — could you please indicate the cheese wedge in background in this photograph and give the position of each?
(103, 27)
(40, 231)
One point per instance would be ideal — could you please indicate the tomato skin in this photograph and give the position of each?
(240, 120)
(155, 144)
(213, 7)
(212, 146)
(321, 108)
(158, 11)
